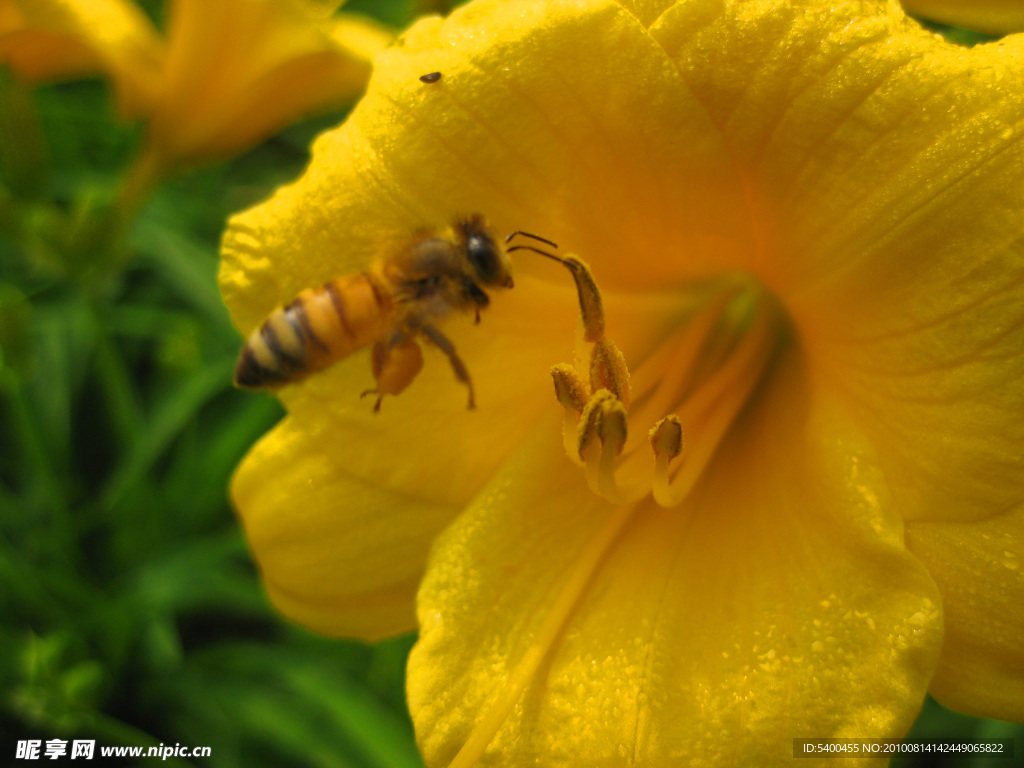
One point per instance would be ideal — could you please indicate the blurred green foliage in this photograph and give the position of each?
(130, 610)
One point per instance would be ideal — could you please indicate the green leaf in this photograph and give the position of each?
(167, 421)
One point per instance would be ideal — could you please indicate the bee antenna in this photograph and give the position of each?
(535, 237)
(535, 250)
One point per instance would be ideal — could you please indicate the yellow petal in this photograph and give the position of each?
(778, 603)
(554, 140)
(978, 567)
(995, 17)
(58, 39)
(647, 11)
(37, 53)
(239, 70)
(885, 182)
(338, 554)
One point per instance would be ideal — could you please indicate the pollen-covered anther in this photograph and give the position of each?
(667, 437)
(573, 393)
(612, 425)
(589, 431)
(608, 370)
(570, 388)
(667, 441)
(591, 305)
(603, 430)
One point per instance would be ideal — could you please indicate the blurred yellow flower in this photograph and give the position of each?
(807, 219)
(228, 74)
(44, 40)
(237, 71)
(996, 17)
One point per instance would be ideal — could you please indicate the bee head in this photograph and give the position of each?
(491, 266)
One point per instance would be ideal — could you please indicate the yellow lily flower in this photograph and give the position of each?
(228, 74)
(806, 219)
(241, 70)
(47, 40)
(996, 17)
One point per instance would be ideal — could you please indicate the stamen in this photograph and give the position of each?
(752, 343)
(613, 430)
(726, 393)
(570, 389)
(570, 438)
(604, 421)
(711, 372)
(588, 425)
(682, 362)
(591, 306)
(667, 437)
(608, 370)
(667, 441)
(572, 392)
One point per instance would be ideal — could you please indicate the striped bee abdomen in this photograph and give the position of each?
(321, 326)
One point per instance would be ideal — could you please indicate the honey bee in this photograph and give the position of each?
(390, 306)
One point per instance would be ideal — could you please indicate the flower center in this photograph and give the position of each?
(691, 388)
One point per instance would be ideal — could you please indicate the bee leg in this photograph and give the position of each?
(395, 363)
(376, 405)
(444, 344)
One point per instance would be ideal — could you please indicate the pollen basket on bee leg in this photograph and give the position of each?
(394, 366)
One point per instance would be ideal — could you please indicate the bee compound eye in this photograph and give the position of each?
(483, 255)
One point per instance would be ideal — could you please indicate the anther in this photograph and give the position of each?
(603, 430)
(591, 305)
(608, 370)
(667, 441)
(589, 421)
(667, 437)
(613, 426)
(612, 429)
(570, 389)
